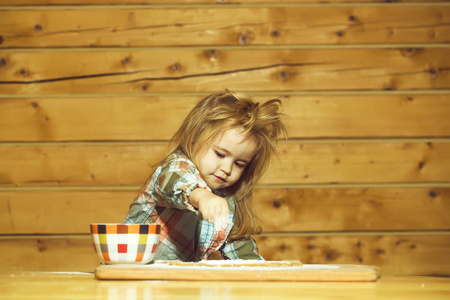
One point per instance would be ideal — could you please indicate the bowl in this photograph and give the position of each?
(125, 243)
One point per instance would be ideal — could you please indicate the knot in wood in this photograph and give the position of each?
(2, 62)
(310, 247)
(283, 76)
(1, 39)
(389, 87)
(41, 246)
(352, 18)
(276, 203)
(410, 52)
(126, 61)
(331, 254)
(421, 165)
(432, 72)
(390, 32)
(275, 33)
(212, 54)
(176, 67)
(243, 39)
(433, 194)
(38, 27)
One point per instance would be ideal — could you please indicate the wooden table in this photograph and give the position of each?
(57, 285)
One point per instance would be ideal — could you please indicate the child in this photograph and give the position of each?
(201, 193)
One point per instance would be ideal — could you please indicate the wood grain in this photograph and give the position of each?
(206, 26)
(299, 163)
(84, 84)
(282, 210)
(353, 209)
(48, 253)
(394, 254)
(187, 70)
(134, 118)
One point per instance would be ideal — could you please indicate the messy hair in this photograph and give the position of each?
(222, 111)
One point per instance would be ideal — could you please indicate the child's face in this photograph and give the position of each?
(225, 160)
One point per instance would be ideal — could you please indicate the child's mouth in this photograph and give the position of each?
(220, 178)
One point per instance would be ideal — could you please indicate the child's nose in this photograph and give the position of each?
(226, 167)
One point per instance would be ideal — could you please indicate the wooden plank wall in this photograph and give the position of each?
(91, 91)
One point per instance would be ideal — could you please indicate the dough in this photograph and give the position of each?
(232, 263)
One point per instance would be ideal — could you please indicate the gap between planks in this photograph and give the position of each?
(255, 93)
(215, 5)
(264, 234)
(266, 186)
(219, 47)
(289, 141)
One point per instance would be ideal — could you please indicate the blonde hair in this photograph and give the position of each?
(211, 117)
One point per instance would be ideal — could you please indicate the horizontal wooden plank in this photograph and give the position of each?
(46, 253)
(132, 118)
(61, 212)
(191, 2)
(353, 209)
(395, 254)
(191, 70)
(281, 210)
(299, 163)
(205, 26)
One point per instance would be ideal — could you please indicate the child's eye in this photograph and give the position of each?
(219, 154)
(239, 165)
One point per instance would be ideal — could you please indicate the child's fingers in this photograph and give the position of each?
(220, 223)
(216, 211)
(221, 220)
(224, 221)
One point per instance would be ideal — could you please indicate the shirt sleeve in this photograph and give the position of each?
(169, 186)
(244, 248)
(174, 183)
(140, 210)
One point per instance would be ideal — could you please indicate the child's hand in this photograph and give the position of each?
(213, 208)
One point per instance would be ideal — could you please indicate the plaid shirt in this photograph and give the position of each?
(185, 235)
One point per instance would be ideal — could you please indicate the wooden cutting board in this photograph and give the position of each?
(269, 271)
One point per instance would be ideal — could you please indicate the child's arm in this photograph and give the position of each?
(212, 207)
(169, 186)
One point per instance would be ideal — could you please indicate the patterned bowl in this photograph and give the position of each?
(125, 243)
